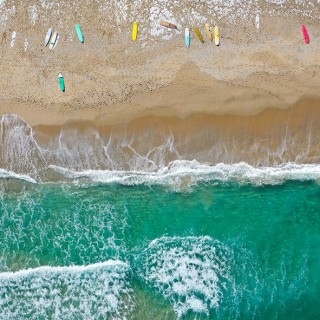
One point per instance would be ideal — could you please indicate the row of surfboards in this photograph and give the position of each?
(52, 38)
(187, 32)
(199, 34)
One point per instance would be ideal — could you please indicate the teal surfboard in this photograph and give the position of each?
(79, 33)
(61, 80)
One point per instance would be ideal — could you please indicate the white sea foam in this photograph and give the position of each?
(183, 173)
(48, 269)
(25, 44)
(78, 292)
(13, 39)
(191, 272)
(19, 151)
(6, 12)
(5, 174)
(33, 12)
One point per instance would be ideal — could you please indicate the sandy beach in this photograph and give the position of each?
(259, 64)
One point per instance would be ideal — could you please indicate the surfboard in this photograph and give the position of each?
(198, 33)
(135, 31)
(305, 34)
(55, 44)
(61, 80)
(216, 35)
(79, 33)
(48, 35)
(168, 24)
(257, 21)
(53, 40)
(187, 37)
(208, 31)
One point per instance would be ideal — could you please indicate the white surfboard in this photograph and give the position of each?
(55, 44)
(53, 40)
(257, 21)
(209, 34)
(187, 37)
(48, 36)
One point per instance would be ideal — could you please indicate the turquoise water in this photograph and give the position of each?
(208, 249)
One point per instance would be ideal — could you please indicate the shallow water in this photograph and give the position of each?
(210, 249)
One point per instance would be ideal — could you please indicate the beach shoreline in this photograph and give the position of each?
(150, 143)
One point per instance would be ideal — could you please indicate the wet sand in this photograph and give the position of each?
(269, 138)
(149, 143)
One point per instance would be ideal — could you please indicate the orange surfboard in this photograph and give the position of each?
(168, 24)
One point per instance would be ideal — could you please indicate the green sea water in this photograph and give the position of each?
(209, 250)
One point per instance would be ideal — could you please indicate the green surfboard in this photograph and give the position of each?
(61, 80)
(79, 33)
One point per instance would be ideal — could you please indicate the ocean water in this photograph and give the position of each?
(195, 243)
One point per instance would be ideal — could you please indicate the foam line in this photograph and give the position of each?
(181, 170)
(70, 269)
(5, 174)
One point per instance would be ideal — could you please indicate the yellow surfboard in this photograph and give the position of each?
(135, 31)
(198, 33)
(209, 34)
(216, 36)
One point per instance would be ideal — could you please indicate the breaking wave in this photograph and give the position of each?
(187, 173)
(77, 292)
(5, 174)
(191, 272)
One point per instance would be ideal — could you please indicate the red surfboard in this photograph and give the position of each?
(305, 34)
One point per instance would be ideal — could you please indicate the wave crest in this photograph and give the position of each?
(99, 290)
(181, 174)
